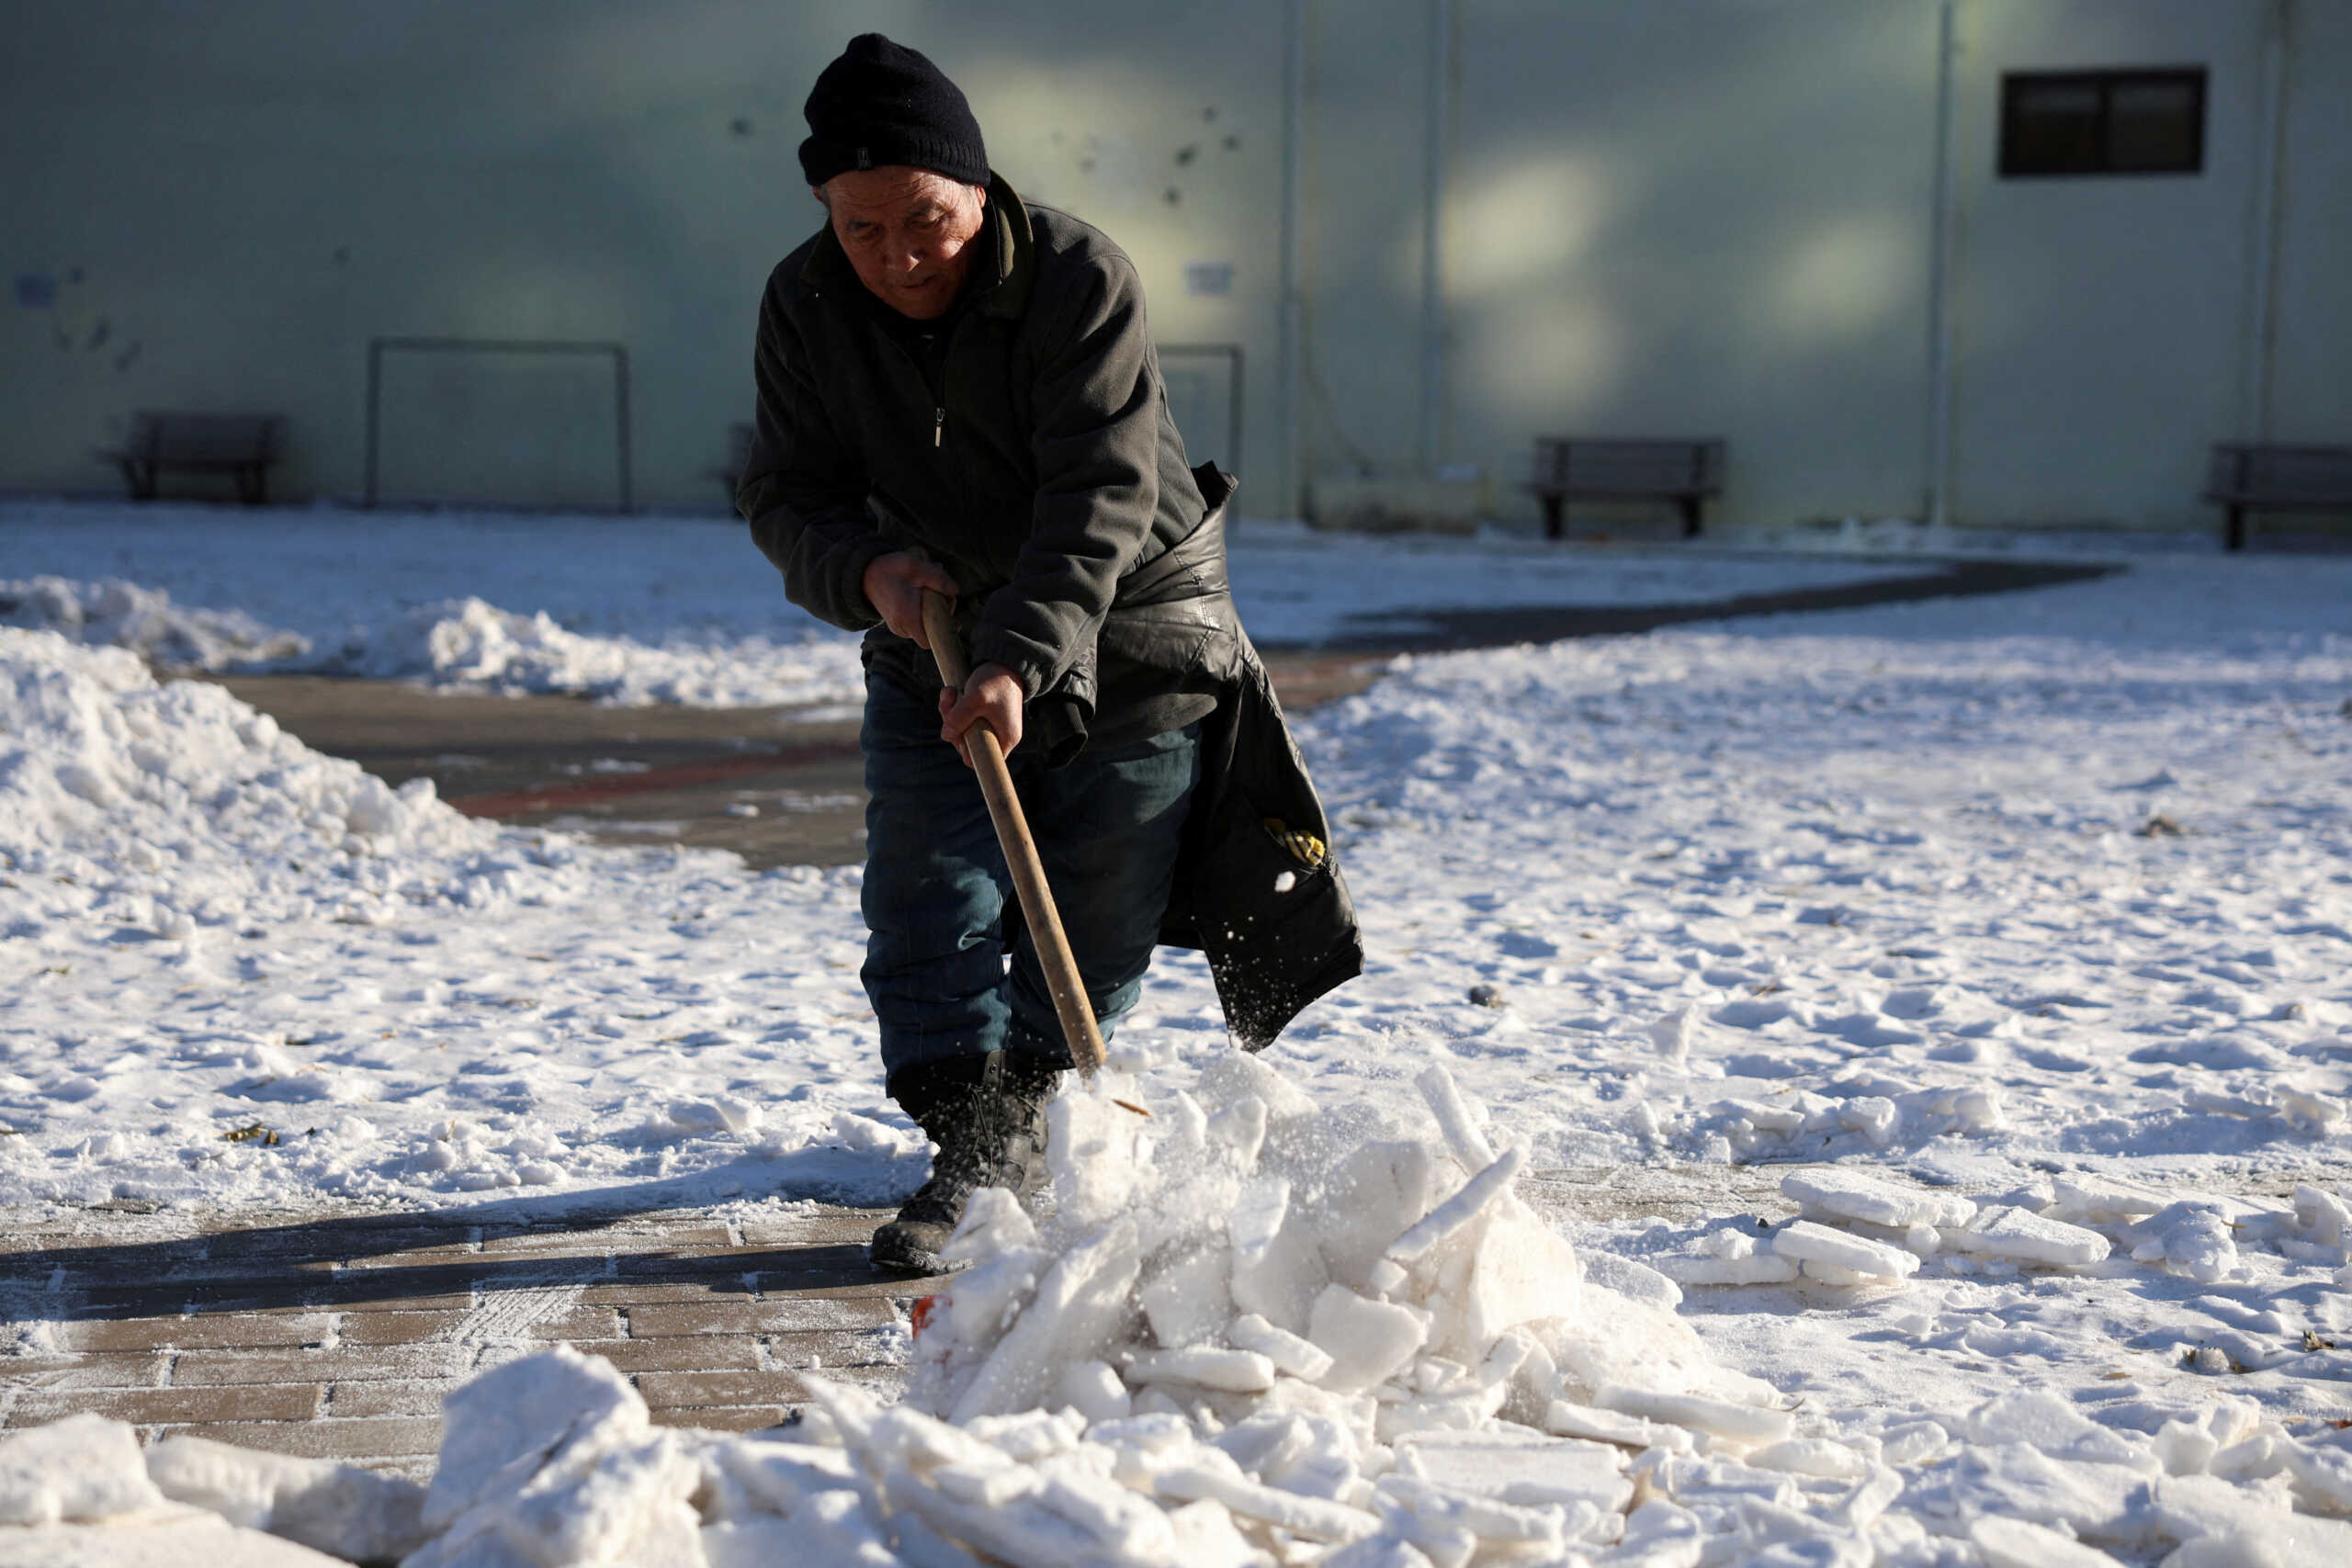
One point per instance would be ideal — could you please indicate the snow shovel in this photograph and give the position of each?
(1079, 1029)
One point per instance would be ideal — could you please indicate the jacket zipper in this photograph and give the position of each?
(938, 426)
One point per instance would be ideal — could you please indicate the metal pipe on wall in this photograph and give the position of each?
(1941, 253)
(1441, 95)
(2263, 219)
(1290, 492)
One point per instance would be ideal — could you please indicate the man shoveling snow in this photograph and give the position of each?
(958, 395)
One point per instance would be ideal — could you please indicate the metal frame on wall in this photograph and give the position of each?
(377, 348)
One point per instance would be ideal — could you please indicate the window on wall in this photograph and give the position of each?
(2102, 122)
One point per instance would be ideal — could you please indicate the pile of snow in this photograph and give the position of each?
(1250, 1331)
(165, 808)
(318, 939)
(468, 643)
(111, 612)
(452, 644)
(1853, 1229)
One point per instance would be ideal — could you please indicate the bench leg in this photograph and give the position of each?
(2237, 528)
(1552, 523)
(1690, 505)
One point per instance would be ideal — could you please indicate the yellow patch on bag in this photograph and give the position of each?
(1304, 848)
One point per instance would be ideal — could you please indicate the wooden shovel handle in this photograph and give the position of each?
(1068, 991)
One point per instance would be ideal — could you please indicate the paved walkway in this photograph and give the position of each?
(778, 787)
(335, 1335)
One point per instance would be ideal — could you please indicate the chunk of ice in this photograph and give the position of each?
(1455, 1119)
(2023, 1236)
(1839, 1275)
(1094, 1390)
(1707, 1269)
(1290, 1354)
(1368, 1341)
(2190, 1237)
(1075, 1314)
(1237, 1372)
(170, 1536)
(84, 1467)
(779, 1477)
(1744, 1423)
(1315, 1519)
(2082, 1196)
(1599, 1426)
(495, 1429)
(1818, 1457)
(1631, 1277)
(2014, 1543)
(1833, 1190)
(2055, 1425)
(1277, 1269)
(1519, 1467)
(1809, 1242)
(1373, 1192)
(2321, 1216)
(1189, 1295)
(1488, 1186)
(338, 1509)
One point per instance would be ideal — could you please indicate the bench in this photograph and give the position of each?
(242, 446)
(739, 457)
(1684, 472)
(2247, 477)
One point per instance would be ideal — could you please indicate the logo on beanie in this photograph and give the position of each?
(865, 158)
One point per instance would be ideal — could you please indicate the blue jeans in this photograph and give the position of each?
(945, 975)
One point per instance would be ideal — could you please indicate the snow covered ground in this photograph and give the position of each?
(2036, 911)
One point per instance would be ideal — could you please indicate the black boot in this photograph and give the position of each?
(986, 1114)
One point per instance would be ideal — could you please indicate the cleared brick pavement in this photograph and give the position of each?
(336, 1336)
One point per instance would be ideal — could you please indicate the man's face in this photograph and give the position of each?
(909, 234)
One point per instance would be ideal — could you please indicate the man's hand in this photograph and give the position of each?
(992, 696)
(894, 585)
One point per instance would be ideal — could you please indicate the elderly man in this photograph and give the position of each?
(957, 393)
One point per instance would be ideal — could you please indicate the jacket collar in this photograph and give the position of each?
(1003, 292)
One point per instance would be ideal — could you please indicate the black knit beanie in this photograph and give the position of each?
(882, 104)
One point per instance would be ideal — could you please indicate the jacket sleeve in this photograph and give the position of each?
(802, 489)
(1095, 437)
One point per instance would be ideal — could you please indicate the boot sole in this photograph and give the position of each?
(895, 1251)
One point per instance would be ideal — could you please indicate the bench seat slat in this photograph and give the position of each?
(243, 445)
(1683, 472)
(2248, 476)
